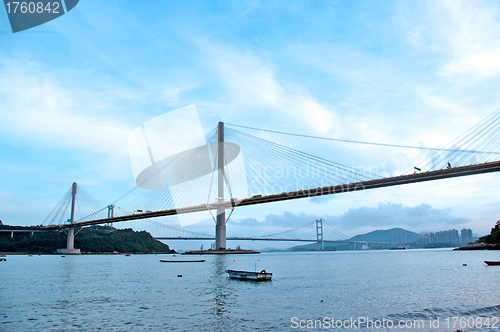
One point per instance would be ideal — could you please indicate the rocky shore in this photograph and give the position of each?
(480, 246)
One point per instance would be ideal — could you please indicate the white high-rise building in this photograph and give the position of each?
(466, 235)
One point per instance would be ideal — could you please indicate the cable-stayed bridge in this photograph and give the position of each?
(210, 178)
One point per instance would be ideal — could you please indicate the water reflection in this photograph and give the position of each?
(140, 294)
(66, 281)
(222, 295)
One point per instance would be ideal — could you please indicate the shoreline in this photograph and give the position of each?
(480, 246)
(86, 253)
(220, 252)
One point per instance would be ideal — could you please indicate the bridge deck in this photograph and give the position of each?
(270, 239)
(338, 189)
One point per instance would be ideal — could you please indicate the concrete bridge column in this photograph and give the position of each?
(70, 249)
(220, 228)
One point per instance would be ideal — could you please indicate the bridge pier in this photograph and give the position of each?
(220, 231)
(220, 227)
(70, 244)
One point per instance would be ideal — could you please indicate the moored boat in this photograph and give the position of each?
(179, 261)
(247, 275)
(492, 262)
(3, 259)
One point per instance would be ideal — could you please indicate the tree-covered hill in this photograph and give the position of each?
(494, 237)
(94, 239)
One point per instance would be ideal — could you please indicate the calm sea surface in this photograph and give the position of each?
(138, 293)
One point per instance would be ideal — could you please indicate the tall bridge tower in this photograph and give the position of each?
(70, 244)
(220, 227)
(319, 234)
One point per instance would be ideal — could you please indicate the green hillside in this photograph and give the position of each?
(94, 239)
(395, 235)
(494, 237)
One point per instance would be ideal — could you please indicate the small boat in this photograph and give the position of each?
(492, 262)
(3, 259)
(247, 275)
(178, 261)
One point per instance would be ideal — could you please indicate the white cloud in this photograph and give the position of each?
(252, 83)
(418, 218)
(38, 106)
(485, 63)
(465, 34)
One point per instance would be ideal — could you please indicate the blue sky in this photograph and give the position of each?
(405, 72)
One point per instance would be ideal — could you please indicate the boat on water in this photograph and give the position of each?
(492, 262)
(3, 259)
(179, 261)
(247, 275)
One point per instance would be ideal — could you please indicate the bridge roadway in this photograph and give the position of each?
(283, 240)
(338, 189)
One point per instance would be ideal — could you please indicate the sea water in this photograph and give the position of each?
(309, 291)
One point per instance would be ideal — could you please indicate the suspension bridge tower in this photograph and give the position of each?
(220, 227)
(319, 235)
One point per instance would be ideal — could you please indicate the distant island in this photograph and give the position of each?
(90, 240)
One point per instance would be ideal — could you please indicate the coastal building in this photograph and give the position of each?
(423, 240)
(449, 236)
(466, 235)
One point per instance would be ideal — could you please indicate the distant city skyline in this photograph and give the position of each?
(446, 236)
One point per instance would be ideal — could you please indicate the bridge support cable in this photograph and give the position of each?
(70, 249)
(272, 168)
(175, 232)
(336, 231)
(345, 188)
(489, 118)
(478, 145)
(273, 172)
(56, 216)
(289, 234)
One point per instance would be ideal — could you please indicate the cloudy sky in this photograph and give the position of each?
(405, 72)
